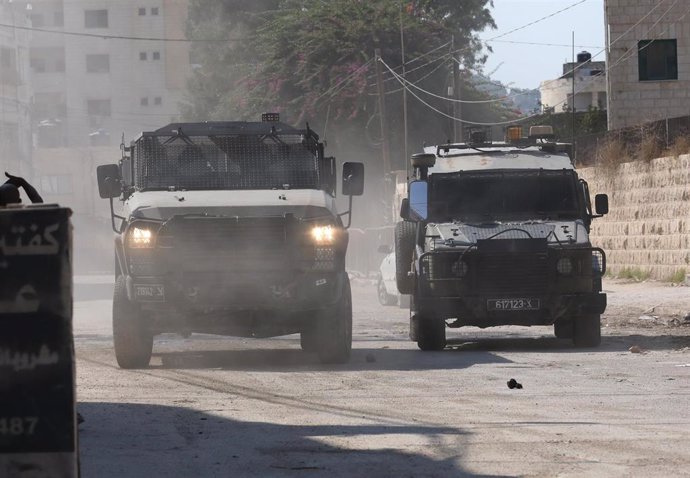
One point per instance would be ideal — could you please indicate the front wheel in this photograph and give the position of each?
(334, 329)
(587, 331)
(132, 338)
(431, 334)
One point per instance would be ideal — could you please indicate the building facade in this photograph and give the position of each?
(648, 55)
(98, 71)
(15, 90)
(590, 87)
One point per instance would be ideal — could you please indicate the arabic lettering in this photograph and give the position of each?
(28, 361)
(38, 243)
(25, 301)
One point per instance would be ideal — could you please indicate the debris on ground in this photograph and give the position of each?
(636, 349)
(651, 318)
(512, 383)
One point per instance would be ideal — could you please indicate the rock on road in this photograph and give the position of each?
(220, 407)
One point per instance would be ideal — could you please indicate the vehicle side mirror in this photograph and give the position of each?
(353, 179)
(109, 181)
(601, 204)
(385, 249)
(419, 200)
(405, 209)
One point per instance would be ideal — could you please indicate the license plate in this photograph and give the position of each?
(150, 292)
(513, 304)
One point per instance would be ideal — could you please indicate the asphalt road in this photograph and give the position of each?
(224, 407)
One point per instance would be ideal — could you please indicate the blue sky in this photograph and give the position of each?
(525, 66)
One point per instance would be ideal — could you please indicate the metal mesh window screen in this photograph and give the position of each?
(224, 162)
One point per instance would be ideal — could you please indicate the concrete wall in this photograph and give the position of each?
(649, 224)
(631, 101)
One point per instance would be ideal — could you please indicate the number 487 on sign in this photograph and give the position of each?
(17, 426)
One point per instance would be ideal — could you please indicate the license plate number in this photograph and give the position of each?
(150, 292)
(514, 304)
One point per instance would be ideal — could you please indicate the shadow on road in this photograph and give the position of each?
(269, 360)
(125, 439)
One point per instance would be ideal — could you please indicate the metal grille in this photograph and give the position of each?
(237, 245)
(224, 162)
(512, 274)
(598, 263)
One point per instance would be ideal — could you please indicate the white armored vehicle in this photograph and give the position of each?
(498, 234)
(230, 228)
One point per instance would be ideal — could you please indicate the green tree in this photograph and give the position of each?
(311, 60)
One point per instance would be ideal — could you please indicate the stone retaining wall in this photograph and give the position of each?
(648, 227)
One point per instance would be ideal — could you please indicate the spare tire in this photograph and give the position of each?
(405, 233)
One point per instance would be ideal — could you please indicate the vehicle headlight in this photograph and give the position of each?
(323, 235)
(140, 237)
(564, 266)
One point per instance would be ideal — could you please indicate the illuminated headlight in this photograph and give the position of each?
(323, 235)
(564, 266)
(140, 237)
(459, 268)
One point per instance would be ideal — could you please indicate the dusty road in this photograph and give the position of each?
(232, 407)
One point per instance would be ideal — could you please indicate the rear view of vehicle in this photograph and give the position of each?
(498, 234)
(230, 228)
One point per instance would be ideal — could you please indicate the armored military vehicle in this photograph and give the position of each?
(498, 234)
(230, 228)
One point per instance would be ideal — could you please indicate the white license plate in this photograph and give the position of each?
(150, 292)
(513, 304)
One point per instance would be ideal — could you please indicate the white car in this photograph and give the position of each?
(386, 288)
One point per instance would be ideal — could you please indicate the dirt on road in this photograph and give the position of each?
(220, 407)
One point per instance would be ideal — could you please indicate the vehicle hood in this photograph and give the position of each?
(162, 205)
(452, 235)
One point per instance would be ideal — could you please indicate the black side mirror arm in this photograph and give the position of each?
(114, 216)
(348, 213)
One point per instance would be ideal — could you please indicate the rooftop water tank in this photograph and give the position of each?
(584, 56)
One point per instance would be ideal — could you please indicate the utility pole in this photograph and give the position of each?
(385, 147)
(404, 91)
(573, 111)
(457, 106)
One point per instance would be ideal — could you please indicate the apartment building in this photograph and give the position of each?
(98, 70)
(15, 92)
(590, 86)
(648, 54)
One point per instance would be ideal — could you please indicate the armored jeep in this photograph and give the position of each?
(230, 228)
(498, 234)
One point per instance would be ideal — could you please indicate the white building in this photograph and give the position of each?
(590, 87)
(15, 93)
(90, 89)
(648, 45)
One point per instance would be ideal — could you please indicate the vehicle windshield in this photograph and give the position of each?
(503, 195)
(224, 162)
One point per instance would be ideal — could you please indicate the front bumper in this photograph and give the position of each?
(474, 310)
(208, 292)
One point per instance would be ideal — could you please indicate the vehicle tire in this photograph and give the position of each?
(563, 329)
(334, 330)
(405, 233)
(384, 297)
(431, 334)
(132, 337)
(309, 340)
(587, 331)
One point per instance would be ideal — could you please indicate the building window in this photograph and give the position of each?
(97, 63)
(98, 107)
(38, 65)
(8, 66)
(142, 12)
(60, 65)
(144, 101)
(154, 11)
(142, 55)
(158, 101)
(36, 20)
(658, 60)
(156, 55)
(96, 18)
(59, 19)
